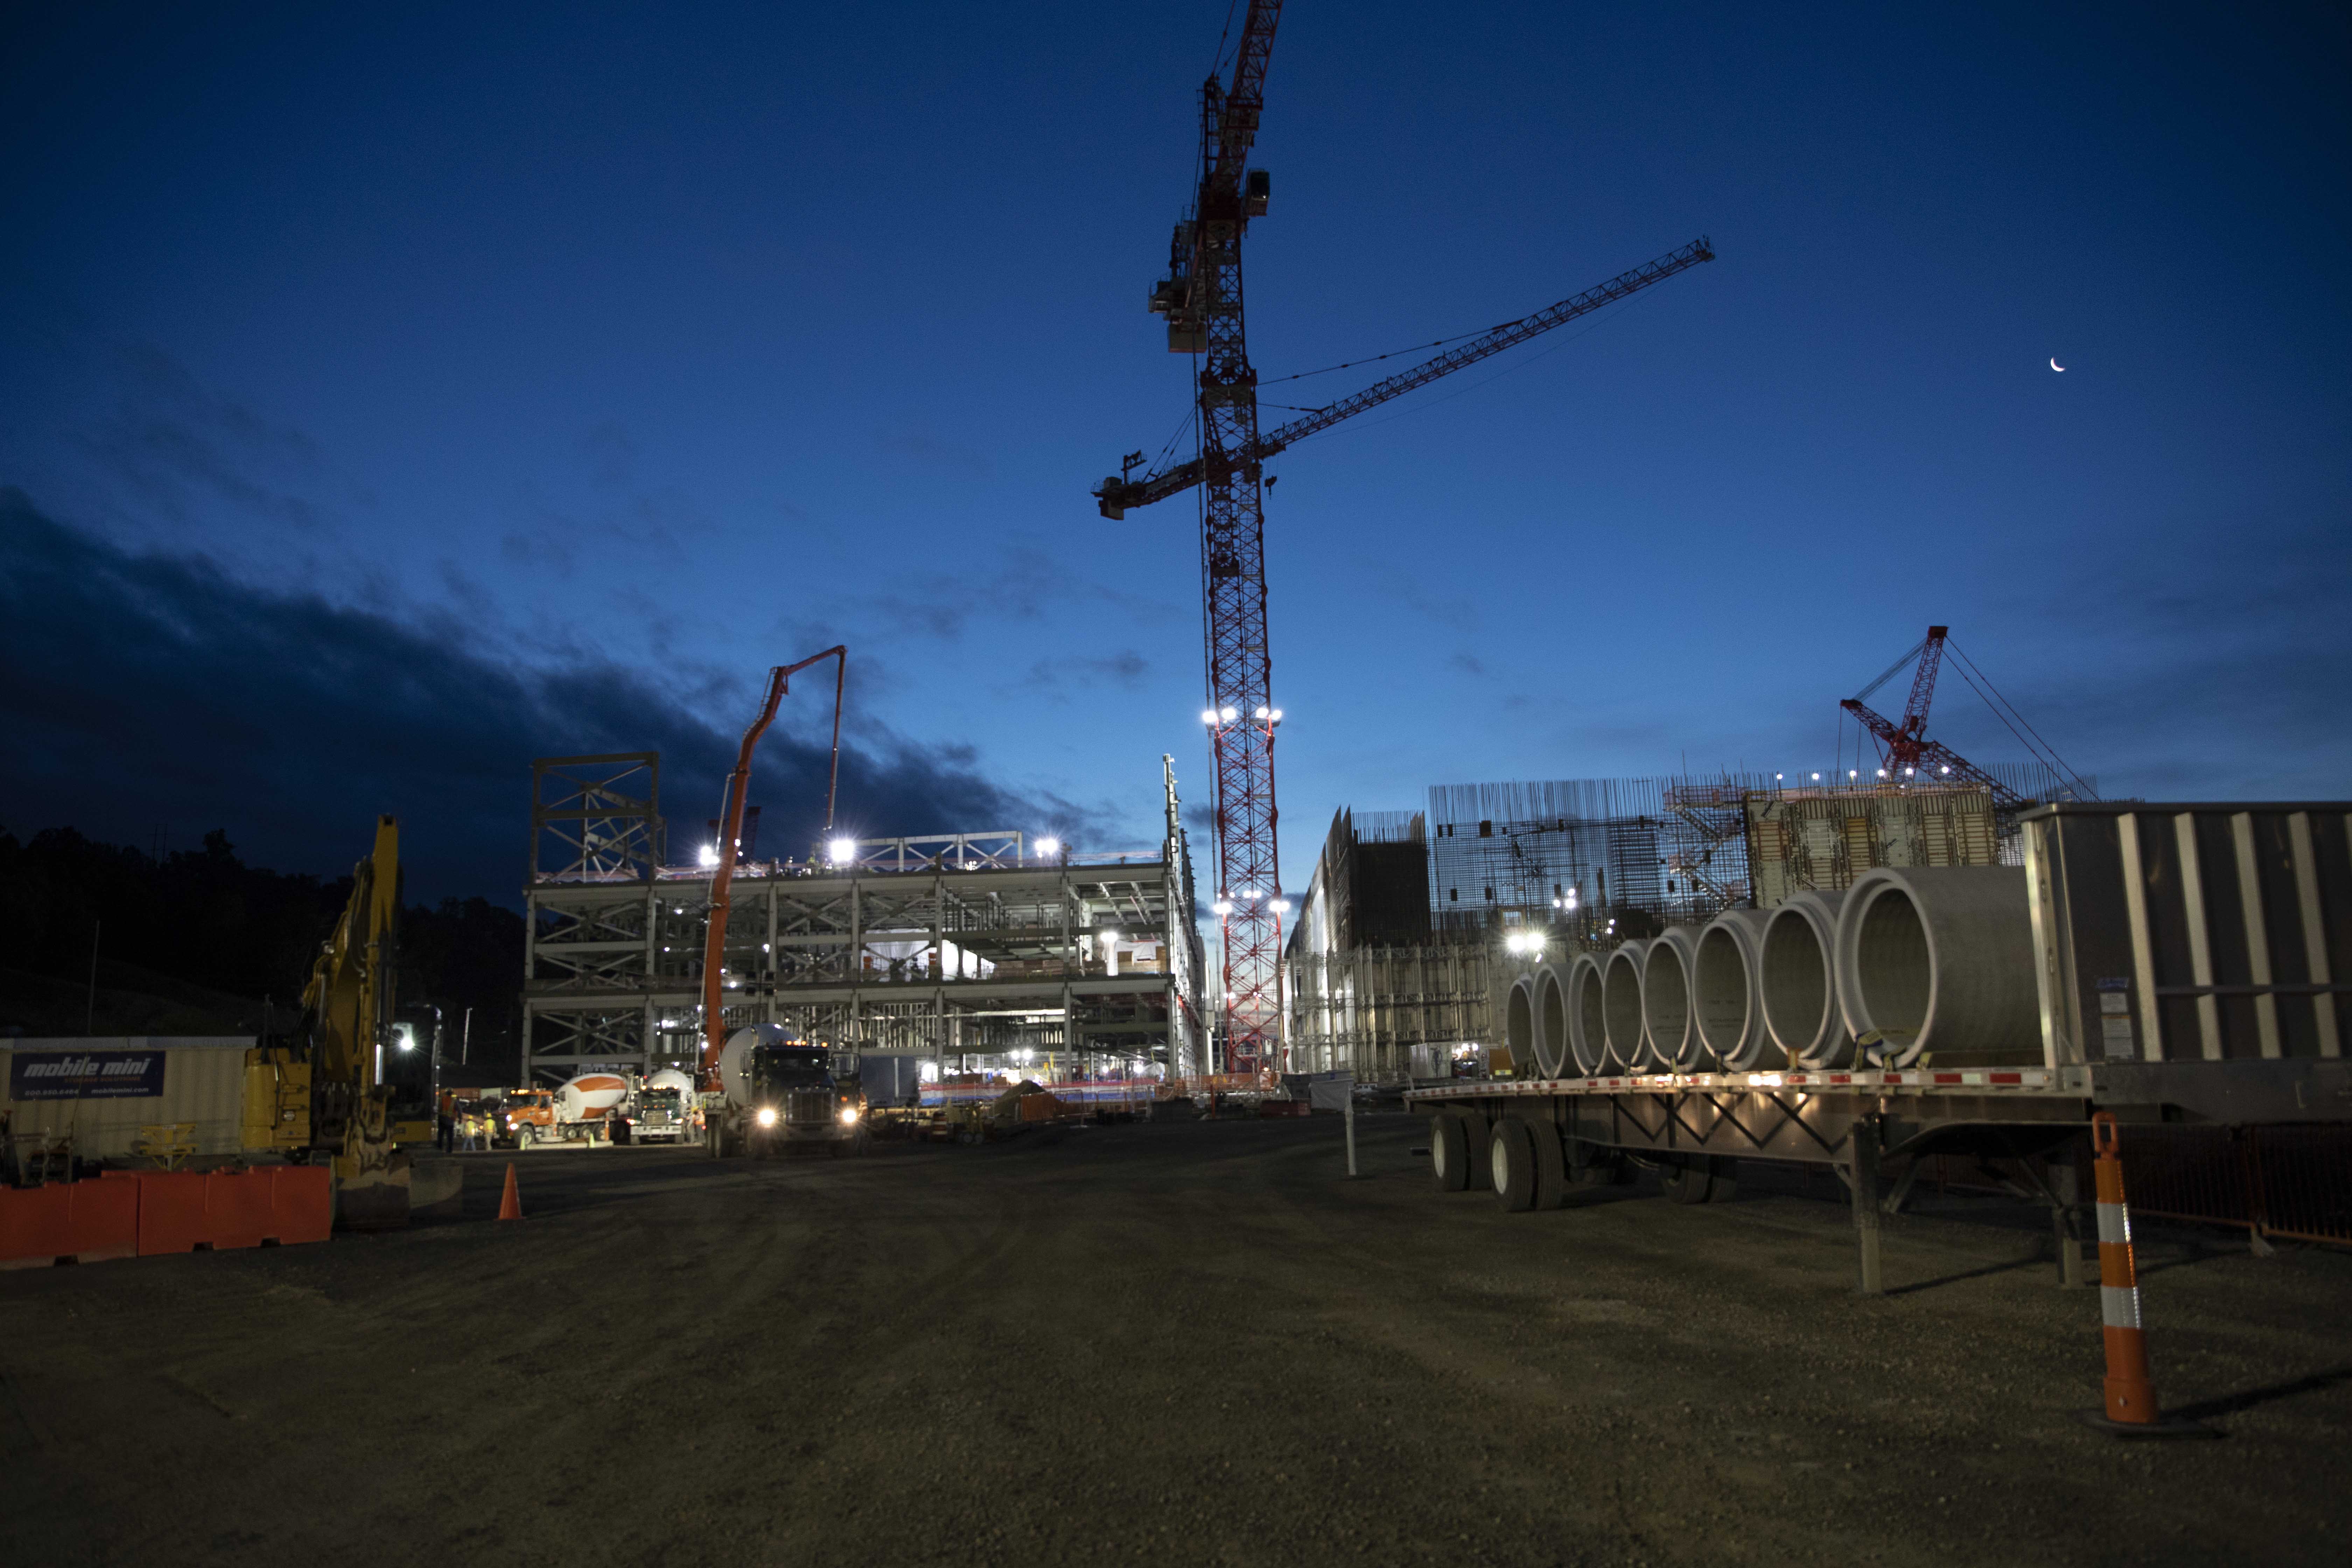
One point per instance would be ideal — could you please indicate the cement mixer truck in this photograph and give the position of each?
(661, 1111)
(777, 1091)
(572, 1112)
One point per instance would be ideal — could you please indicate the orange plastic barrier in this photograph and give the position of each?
(142, 1212)
(303, 1203)
(87, 1221)
(171, 1211)
(237, 1208)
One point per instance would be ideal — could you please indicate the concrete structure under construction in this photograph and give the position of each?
(959, 947)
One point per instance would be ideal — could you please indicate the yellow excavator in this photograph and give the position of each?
(321, 1096)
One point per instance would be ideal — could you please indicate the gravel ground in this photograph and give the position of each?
(1174, 1342)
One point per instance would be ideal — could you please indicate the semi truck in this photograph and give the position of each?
(776, 1091)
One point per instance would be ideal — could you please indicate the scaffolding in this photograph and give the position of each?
(947, 946)
(1605, 858)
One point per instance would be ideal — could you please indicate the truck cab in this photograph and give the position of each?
(654, 1116)
(780, 1090)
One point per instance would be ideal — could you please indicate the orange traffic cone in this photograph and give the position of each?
(2131, 1410)
(511, 1201)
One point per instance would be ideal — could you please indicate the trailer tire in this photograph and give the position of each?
(522, 1139)
(1480, 1132)
(1591, 1164)
(1551, 1164)
(618, 1131)
(1693, 1181)
(1511, 1164)
(1449, 1151)
(1722, 1179)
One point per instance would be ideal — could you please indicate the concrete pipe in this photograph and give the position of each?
(1588, 1026)
(1552, 1058)
(1520, 1022)
(1937, 961)
(1621, 1007)
(1668, 1020)
(1727, 988)
(1798, 985)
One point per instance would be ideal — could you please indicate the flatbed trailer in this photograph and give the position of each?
(1695, 1127)
(2186, 965)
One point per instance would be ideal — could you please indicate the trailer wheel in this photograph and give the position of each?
(1449, 1151)
(1704, 1179)
(1592, 1164)
(1511, 1164)
(1551, 1165)
(1478, 1132)
(522, 1139)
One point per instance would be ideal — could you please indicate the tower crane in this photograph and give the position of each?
(1202, 299)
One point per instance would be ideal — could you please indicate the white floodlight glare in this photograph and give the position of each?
(1049, 846)
(843, 850)
(1280, 906)
(1852, 772)
(1229, 714)
(1882, 772)
(1263, 712)
(1778, 777)
(710, 854)
(1208, 715)
(405, 1035)
(1275, 717)
(1224, 906)
(1948, 767)
(1113, 938)
(1253, 894)
(1909, 772)
(1817, 778)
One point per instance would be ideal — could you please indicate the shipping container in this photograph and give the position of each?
(104, 1092)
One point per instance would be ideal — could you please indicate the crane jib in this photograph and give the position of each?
(1116, 495)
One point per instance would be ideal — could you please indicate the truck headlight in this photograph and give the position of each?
(849, 1116)
(767, 1116)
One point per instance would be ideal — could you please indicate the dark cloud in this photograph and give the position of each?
(143, 691)
(1467, 663)
(1126, 667)
(170, 440)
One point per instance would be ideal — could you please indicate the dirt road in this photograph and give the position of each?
(1175, 1343)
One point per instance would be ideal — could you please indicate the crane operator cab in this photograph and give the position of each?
(778, 1090)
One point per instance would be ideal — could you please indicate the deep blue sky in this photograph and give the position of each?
(546, 373)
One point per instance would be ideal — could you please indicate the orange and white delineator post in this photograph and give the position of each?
(2131, 1409)
(2131, 1395)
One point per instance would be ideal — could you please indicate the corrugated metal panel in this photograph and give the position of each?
(2207, 931)
(203, 1082)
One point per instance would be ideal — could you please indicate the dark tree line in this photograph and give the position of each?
(193, 940)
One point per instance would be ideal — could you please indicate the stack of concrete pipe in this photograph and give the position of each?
(1727, 989)
(1519, 1023)
(1588, 1029)
(1938, 964)
(1621, 1007)
(1917, 964)
(1669, 1019)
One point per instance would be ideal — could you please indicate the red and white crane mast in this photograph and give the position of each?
(1202, 299)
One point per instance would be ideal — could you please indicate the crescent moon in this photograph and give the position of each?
(2056, 366)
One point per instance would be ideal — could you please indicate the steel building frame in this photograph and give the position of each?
(941, 945)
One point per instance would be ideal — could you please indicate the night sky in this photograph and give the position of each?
(396, 394)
